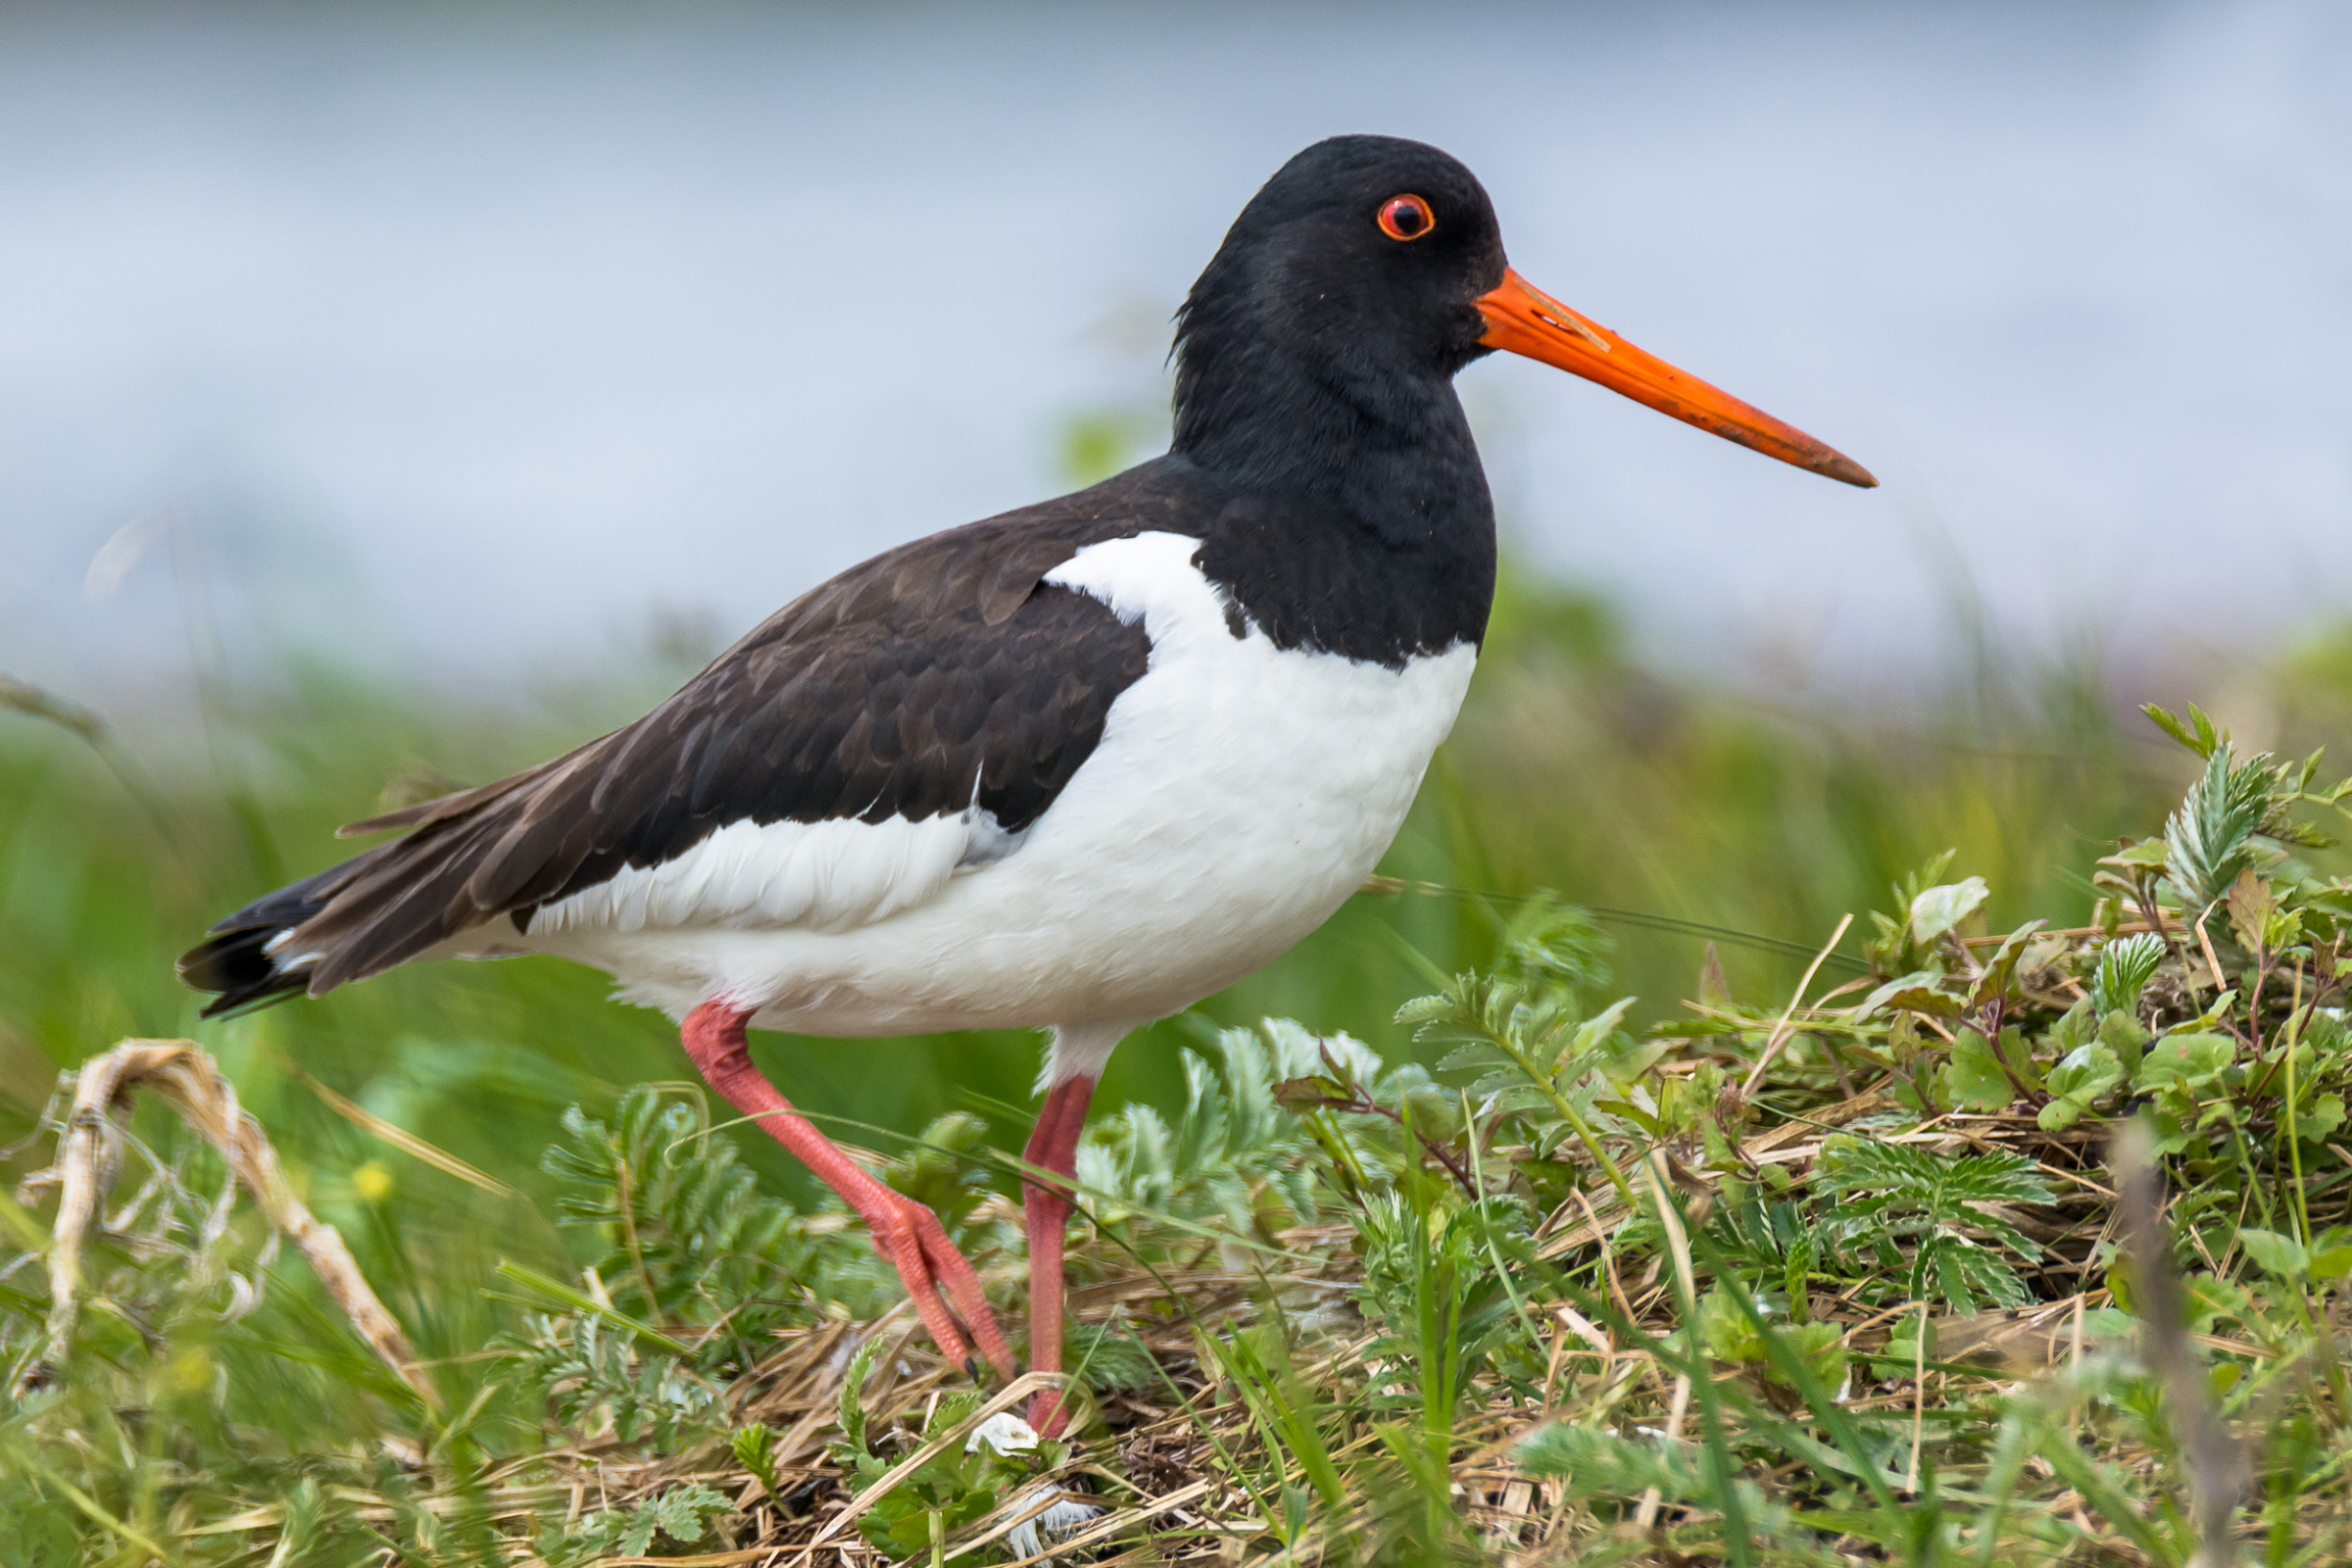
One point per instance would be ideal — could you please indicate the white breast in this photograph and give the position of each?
(1240, 792)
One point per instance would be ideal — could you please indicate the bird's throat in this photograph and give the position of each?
(1345, 523)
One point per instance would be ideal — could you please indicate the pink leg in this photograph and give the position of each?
(905, 1232)
(1053, 1147)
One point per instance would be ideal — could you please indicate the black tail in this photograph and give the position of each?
(235, 961)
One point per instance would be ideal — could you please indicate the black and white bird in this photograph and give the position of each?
(1072, 767)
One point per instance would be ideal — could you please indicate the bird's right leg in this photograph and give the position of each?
(905, 1232)
(1053, 1148)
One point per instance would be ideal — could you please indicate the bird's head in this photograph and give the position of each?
(1373, 267)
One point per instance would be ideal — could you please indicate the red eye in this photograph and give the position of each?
(1406, 218)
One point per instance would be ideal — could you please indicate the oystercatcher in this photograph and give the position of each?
(1072, 767)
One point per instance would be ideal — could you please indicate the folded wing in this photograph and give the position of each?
(910, 717)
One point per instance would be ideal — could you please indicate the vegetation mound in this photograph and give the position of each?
(1973, 1247)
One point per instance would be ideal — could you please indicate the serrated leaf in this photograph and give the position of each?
(2252, 907)
(2196, 732)
(2078, 1026)
(852, 1411)
(2126, 965)
(1594, 1032)
(1646, 1120)
(1516, 1097)
(2122, 1034)
(1593, 1464)
(1477, 1057)
(1423, 1009)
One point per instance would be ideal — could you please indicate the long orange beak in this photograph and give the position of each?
(1523, 320)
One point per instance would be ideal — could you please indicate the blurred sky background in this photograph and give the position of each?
(476, 341)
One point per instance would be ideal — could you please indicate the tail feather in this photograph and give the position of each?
(242, 958)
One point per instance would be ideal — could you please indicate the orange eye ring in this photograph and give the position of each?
(1406, 218)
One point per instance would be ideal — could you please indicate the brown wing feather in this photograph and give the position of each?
(938, 675)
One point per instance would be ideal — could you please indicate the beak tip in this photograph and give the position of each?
(1846, 471)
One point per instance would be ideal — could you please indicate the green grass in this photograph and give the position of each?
(1674, 810)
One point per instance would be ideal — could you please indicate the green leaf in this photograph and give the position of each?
(2059, 1115)
(2000, 975)
(852, 1394)
(1594, 1032)
(2201, 739)
(1974, 1078)
(1593, 1464)
(753, 1448)
(940, 1173)
(2191, 1061)
(2280, 1256)
(637, 1535)
(2121, 1033)
(1916, 992)
(2083, 1076)
(1939, 909)
(682, 1512)
(1725, 1331)
(1549, 944)
(2213, 833)
(2078, 1028)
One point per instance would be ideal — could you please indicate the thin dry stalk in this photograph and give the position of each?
(2218, 1472)
(89, 1156)
(1781, 1033)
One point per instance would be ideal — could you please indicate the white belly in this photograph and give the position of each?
(1239, 794)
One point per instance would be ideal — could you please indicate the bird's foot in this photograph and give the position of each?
(946, 1291)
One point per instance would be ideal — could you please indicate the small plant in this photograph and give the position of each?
(975, 1466)
(690, 1238)
(681, 1513)
(1234, 1154)
(1884, 1195)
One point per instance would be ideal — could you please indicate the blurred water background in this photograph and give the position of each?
(478, 344)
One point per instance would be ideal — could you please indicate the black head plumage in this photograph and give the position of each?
(1317, 352)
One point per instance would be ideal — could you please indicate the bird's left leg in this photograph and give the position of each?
(905, 1232)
